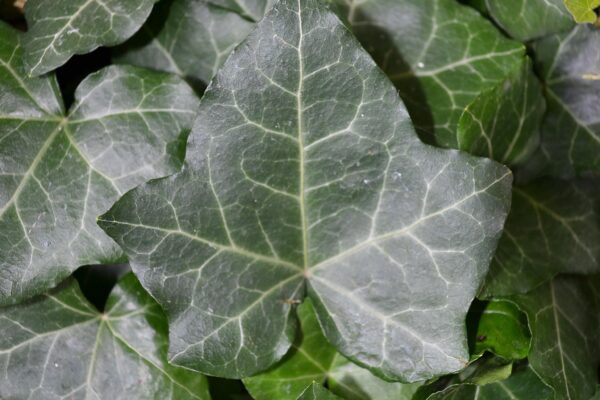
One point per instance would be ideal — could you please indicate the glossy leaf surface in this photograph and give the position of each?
(303, 172)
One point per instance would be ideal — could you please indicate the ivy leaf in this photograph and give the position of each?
(303, 170)
(501, 329)
(59, 29)
(439, 54)
(530, 19)
(317, 392)
(523, 385)
(193, 41)
(58, 346)
(515, 105)
(583, 10)
(59, 172)
(251, 9)
(569, 64)
(552, 228)
(564, 326)
(313, 359)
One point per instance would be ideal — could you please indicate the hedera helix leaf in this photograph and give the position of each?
(440, 55)
(583, 10)
(552, 228)
(501, 329)
(58, 346)
(564, 325)
(523, 385)
(317, 392)
(193, 41)
(312, 358)
(59, 29)
(530, 19)
(59, 172)
(515, 105)
(570, 66)
(303, 172)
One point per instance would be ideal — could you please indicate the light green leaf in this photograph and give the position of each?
(523, 385)
(193, 41)
(251, 9)
(59, 172)
(552, 228)
(503, 122)
(564, 327)
(569, 65)
(321, 184)
(440, 55)
(317, 392)
(583, 10)
(59, 29)
(502, 329)
(58, 346)
(312, 358)
(530, 19)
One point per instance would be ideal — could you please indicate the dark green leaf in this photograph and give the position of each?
(564, 326)
(303, 170)
(552, 227)
(503, 122)
(529, 19)
(502, 329)
(193, 41)
(524, 385)
(59, 172)
(58, 346)
(317, 392)
(570, 66)
(440, 55)
(251, 9)
(59, 29)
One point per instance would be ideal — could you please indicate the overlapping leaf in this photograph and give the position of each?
(503, 122)
(570, 66)
(58, 346)
(250, 9)
(552, 228)
(530, 19)
(313, 359)
(440, 55)
(59, 29)
(193, 40)
(564, 326)
(303, 171)
(523, 385)
(58, 173)
(501, 328)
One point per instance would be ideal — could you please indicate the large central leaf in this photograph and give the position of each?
(303, 170)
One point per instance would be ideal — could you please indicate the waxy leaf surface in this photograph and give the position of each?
(564, 325)
(440, 54)
(313, 359)
(253, 10)
(317, 392)
(58, 173)
(58, 29)
(503, 123)
(57, 346)
(570, 66)
(303, 174)
(193, 41)
(552, 228)
(530, 19)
